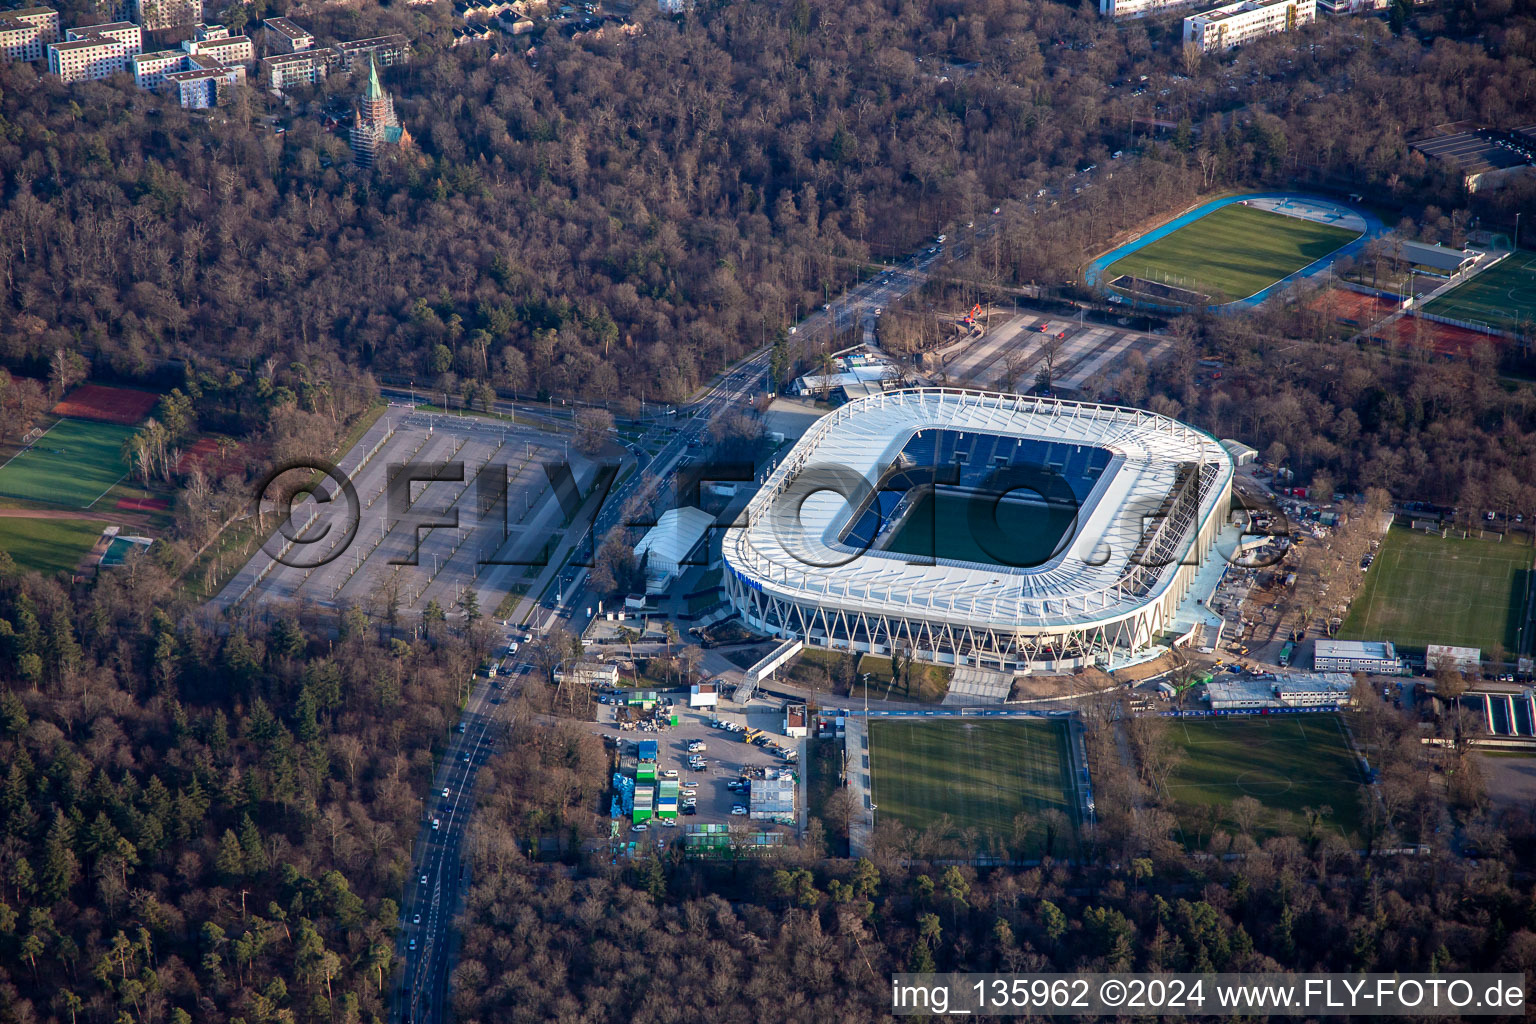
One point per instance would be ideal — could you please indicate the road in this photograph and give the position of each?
(428, 942)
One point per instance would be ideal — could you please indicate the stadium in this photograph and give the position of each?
(980, 529)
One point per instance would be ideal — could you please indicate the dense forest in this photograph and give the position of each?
(200, 826)
(642, 212)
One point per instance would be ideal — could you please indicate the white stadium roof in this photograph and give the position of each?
(795, 556)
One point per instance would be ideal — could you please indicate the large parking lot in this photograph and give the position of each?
(726, 754)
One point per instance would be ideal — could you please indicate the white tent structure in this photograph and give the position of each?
(667, 545)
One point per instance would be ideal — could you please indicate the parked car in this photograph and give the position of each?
(641, 827)
(690, 809)
(738, 809)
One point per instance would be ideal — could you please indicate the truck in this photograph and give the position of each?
(1285, 654)
(751, 735)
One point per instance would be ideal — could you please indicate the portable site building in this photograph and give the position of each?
(645, 803)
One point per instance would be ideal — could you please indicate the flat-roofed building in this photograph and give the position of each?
(386, 50)
(232, 50)
(1375, 656)
(95, 51)
(1237, 23)
(201, 31)
(150, 69)
(200, 87)
(25, 34)
(284, 36)
(1277, 692)
(1463, 659)
(158, 15)
(287, 70)
(1140, 8)
(125, 32)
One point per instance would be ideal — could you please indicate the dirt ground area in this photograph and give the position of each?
(1511, 779)
(1089, 680)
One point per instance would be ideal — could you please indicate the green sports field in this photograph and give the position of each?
(1232, 253)
(1286, 762)
(47, 545)
(73, 464)
(983, 529)
(1424, 590)
(1502, 296)
(980, 773)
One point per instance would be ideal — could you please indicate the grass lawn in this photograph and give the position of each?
(980, 773)
(1424, 590)
(1501, 296)
(1286, 762)
(73, 464)
(1232, 253)
(48, 545)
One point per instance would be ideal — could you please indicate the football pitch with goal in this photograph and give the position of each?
(979, 773)
(1423, 590)
(1503, 296)
(73, 464)
(1232, 253)
(1286, 762)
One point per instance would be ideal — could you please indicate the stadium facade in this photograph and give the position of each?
(1099, 518)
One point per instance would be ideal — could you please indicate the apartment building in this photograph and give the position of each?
(158, 15)
(385, 50)
(230, 50)
(25, 34)
(1236, 23)
(1140, 8)
(287, 70)
(95, 51)
(204, 83)
(284, 36)
(149, 69)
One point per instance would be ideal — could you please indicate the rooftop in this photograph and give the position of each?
(286, 28)
(86, 44)
(394, 39)
(1470, 152)
(1232, 10)
(302, 57)
(789, 546)
(1358, 650)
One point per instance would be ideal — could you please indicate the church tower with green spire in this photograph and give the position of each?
(375, 124)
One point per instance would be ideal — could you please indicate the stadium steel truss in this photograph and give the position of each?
(1114, 582)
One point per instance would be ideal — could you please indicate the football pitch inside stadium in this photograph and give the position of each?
(985, 529)
(1232, 253)
(1423, 589)
(981, 774)
(1288, 763)
(1503, 296)
(73, 464)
